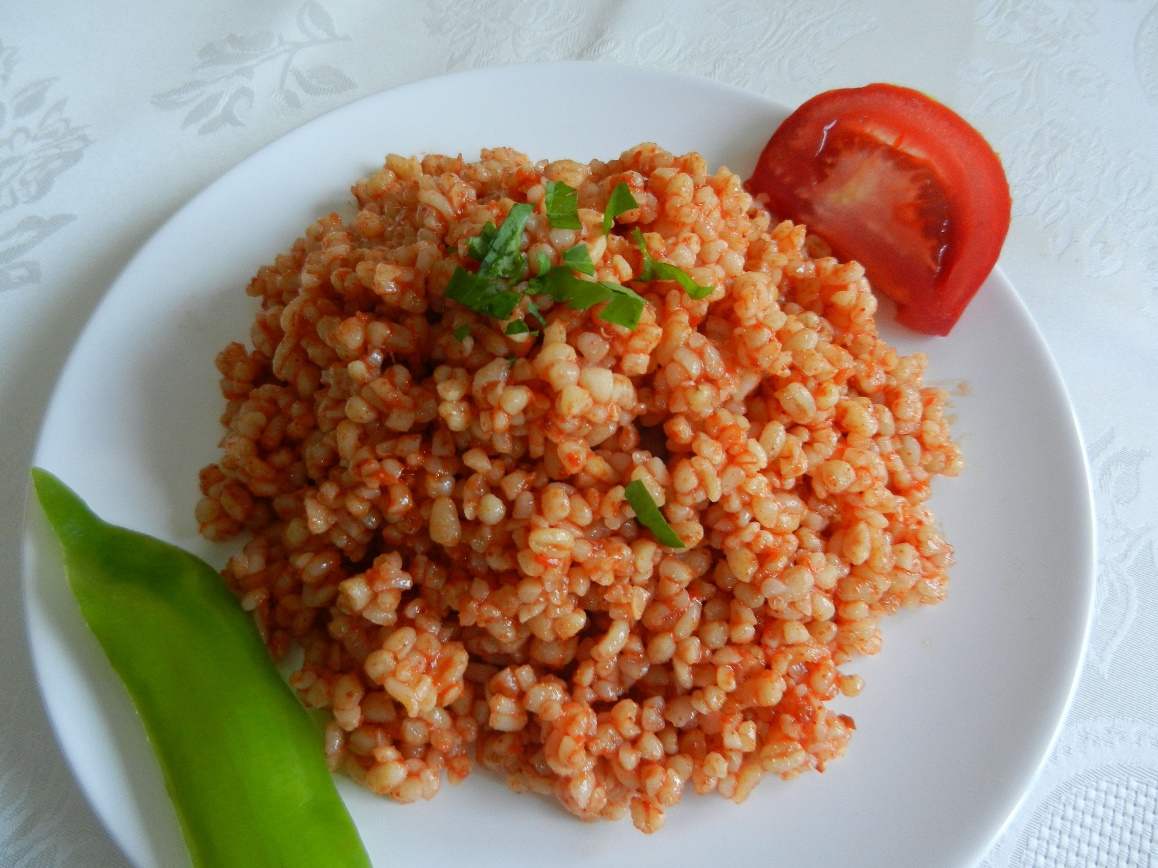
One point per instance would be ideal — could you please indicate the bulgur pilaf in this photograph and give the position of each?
(435, 511)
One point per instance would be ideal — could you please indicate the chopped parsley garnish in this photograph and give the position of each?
(624, 307)
(649, 515)
(653, 270)
(503, 253)
(620, 200)
(579, 258)
(496, 290)
(579, 294)
(482, 294)
(562, 206)
(461, 332)
(478, 246)
(500, 256)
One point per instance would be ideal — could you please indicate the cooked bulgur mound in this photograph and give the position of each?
(435, 513)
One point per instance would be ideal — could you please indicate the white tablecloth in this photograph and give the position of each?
(112, 115)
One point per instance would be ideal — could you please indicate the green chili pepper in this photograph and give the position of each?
(242, 761)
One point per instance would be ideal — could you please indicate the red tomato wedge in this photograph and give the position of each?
(898, 182)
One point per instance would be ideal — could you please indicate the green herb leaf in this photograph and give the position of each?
(625, 307)
(584, 294)
(653, 270)
(553, 282)
(490, 291)
(667, 271)
(579, 258)
(504, 257)
(478, 246)
(461, 332)
(481, 294)
(649, 515)
(620, 200)
(562, 206)
(501, 261)
(538, 285)
(562, 285)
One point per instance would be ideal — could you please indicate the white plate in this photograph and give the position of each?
(958, 710)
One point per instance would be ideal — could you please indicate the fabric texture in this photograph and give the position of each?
(110, 120)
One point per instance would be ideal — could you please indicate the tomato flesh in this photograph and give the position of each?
(887, 198)
(899, 182)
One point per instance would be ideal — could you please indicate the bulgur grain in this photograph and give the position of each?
(440, 523)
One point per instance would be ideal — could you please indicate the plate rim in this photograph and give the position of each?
(1090, 543)
(285, 139)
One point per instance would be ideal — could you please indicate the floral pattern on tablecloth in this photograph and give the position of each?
(231, 71)
(38, 143)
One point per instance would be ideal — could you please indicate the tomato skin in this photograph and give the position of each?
(899, 182)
